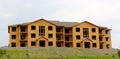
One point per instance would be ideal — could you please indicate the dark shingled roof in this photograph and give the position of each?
(58, 23)
(66, 24)
(26, 23)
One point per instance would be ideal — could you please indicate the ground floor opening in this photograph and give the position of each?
(87, 44)
(42, 43)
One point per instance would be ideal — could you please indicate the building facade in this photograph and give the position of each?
(44, 33)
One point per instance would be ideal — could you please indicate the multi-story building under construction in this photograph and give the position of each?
(46, 33)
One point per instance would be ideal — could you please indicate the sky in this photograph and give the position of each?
(100, 12)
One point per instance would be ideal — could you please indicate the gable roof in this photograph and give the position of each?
(87, 39)
(59, 23)
(40, 20)
(87, 22)
(41, 37)
(27, 23)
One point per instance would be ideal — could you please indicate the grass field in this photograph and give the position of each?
(57, 53)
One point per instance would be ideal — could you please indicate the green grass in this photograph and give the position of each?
(57, 53)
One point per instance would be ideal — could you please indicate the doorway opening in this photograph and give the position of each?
(87, 44)
(22, 44)
(42, 43)
(58, 44)
(101, 46)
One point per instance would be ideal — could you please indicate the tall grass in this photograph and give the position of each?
(57, 53)
(119, 53)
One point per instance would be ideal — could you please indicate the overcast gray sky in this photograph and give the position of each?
(100, 12)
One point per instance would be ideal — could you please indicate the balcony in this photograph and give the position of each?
(59, 30)
(68, 31)
(68, 39)
(23, 29)
(102, 42)
(68, 34)
(24, 32)
(23, 40)
(59, 38)
(68, 44)
(100, 34)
